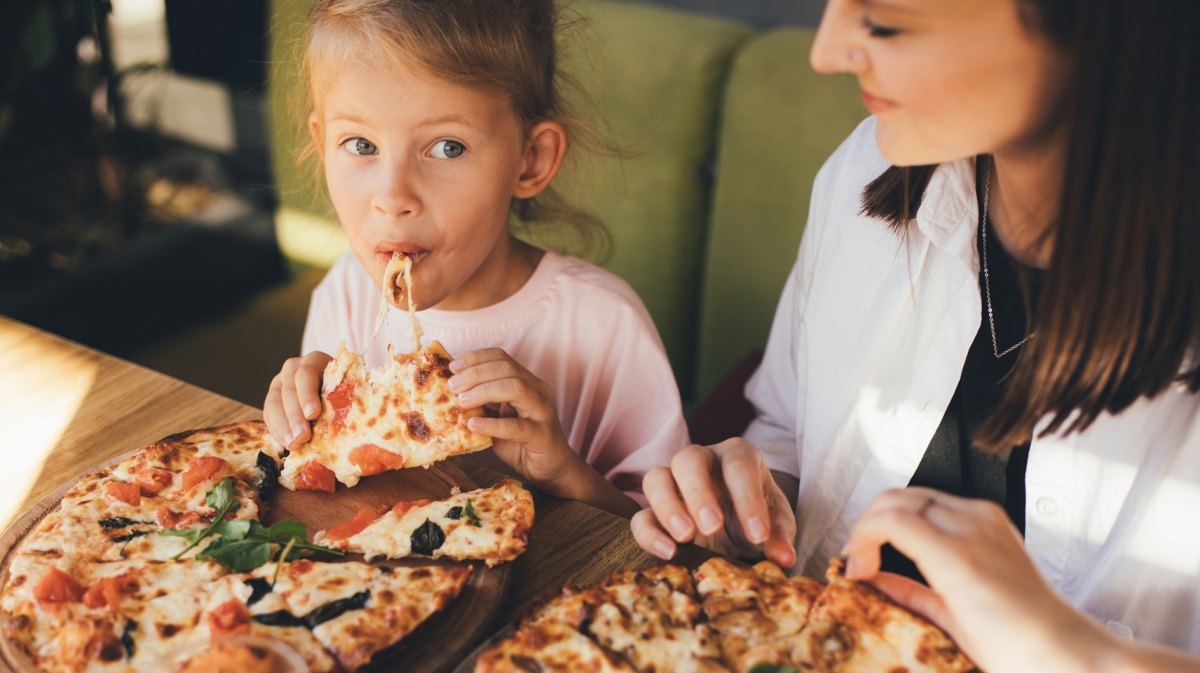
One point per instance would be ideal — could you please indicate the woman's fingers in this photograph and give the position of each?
(650, 536)
(667, 504)
(693, 470)
(914, 596)
(780, 547)
(742, 469)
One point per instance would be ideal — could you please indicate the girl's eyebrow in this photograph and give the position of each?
(448, 119)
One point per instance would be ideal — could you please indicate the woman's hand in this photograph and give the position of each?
(529, 437)
(983, 588)
(294, 399)
(722, 497)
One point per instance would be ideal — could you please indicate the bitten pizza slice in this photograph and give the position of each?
(854, 628)
(356, 610)
(758, 613)
(487, 524)
(400, 415)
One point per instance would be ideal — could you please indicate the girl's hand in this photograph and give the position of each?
(294, 399)
(983, 588)
(723, 497)
(531, 439)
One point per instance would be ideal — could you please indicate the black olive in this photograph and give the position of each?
(278, 618)
(270, 475)
(427, 537)
(127, 638)
(336, 609)
(117, 522)
(130, 535)
(259, 587)
(454, 513)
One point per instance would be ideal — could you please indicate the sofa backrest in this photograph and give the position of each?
(779, 122)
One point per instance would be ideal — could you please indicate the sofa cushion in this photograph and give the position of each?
(779, 122)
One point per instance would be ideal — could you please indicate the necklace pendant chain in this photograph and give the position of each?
(987, 284)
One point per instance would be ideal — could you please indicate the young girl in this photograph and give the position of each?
(437, 124)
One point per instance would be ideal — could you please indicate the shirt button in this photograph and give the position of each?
(1047, 507)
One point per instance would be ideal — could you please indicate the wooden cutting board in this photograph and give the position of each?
(433, 648)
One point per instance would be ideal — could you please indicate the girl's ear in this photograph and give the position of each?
(318, 137)
(544, 153)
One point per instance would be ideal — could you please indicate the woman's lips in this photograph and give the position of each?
(876, 105)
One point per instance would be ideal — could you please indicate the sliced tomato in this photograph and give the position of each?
(152, 480)
(316, 477)
(125, 492)
(401, 507)
(169, 518)
(229, 617)
(341, 398)
(365, 517)
(372, 459)
(105, 593)
(202, 469)
(56, 588)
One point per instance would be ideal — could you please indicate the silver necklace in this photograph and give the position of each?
(987, 285)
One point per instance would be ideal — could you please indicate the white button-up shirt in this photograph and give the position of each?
(866, 350)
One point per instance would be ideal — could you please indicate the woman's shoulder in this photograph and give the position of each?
(853, 165)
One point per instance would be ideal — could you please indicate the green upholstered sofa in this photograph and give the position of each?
(722, 126)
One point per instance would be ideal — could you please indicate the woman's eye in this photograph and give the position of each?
(448, 149)
(360, 147)
(876, 30)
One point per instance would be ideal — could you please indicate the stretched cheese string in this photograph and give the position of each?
(388, 296)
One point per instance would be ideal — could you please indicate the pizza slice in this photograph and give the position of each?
(550, 647)
(758, 613)
(487, 524)
(852, 627)
(400, 415)
(356, 610)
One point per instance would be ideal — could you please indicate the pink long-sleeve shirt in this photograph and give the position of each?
(574, 325)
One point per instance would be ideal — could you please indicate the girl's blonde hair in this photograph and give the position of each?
(505, 47)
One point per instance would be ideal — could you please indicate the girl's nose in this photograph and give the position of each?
(838, 45)
(396, 195)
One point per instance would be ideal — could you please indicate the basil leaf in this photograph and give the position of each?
(239, 556)
(772, 668)
(282, 530)
(223, 496)
(189, 534)
(470, 514)
(232, 529)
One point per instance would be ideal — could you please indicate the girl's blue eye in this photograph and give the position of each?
(360, 147)
(448, 149)
(876, 30)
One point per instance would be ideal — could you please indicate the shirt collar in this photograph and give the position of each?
(949, 212)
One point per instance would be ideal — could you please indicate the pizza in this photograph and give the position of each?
(400, 415)
(113, 579)
(724, 618)
(487, 524)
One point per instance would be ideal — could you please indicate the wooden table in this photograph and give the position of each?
(65, 408)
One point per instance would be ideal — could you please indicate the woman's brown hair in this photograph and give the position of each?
(1118, 318)
(505, 47)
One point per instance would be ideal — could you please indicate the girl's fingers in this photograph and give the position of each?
(520, 430)
(496, 370)
(527, 402)
(480, 356)
(650, 536)
(692, 469)
(308, 384)
(273, 414)
(914, 596)
(297, 424)
(667, 505)
(742, 469)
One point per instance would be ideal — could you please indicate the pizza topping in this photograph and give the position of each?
(118, 522)
(269, 469)
(371, 459)
(417, 429)
(365, 517)
(129, 536)
(278, 618)
(152, 480)
(428, 537)
(401, 507)
(316, 477)
(104, 593)
(170, 519)
(57, 588)
(127, 638)
(341, 398)
(259, 587)
(336, 609)
(467, 511)
(127, 493)
(202, 469)
(229, 617)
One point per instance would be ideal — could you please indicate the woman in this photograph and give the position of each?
(997, 305)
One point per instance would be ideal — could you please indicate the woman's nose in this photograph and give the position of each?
(838, 45)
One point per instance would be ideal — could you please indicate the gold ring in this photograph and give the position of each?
(925, 505)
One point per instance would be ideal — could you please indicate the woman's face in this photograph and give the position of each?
(946, 79)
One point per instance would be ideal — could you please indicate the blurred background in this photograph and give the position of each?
(149, 206)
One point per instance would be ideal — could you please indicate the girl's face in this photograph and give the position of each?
(946, 79)
(418, 165)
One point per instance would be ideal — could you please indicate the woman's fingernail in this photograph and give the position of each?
(757, 530)
(680, 527)
(310, 409)
(664, 549)
(298, 430)
(710, 521)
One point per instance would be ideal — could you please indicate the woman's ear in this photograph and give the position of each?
(544, 153)
(317, 133)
